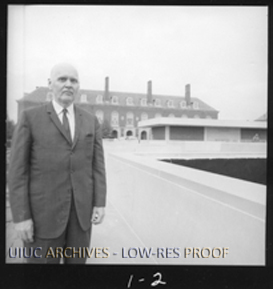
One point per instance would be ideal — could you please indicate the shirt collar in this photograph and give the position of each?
(59, 109)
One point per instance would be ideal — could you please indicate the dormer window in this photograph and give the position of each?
(171, 115)
(195, 105)
(170, 103)
(143, 102)
(183, 104)
(83, 98)
(129, 101)
(114, 99)
(99, 99)
(157, 102)
(157, 115)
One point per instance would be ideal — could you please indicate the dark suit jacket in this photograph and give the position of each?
(46, 170)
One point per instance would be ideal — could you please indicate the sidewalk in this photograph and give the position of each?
(116, 234)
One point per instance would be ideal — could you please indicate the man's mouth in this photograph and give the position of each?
(68, 92)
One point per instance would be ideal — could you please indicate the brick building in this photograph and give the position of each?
(123, 110)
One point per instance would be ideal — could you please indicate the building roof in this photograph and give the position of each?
(262, 118)
(40, 94)
(167, 121)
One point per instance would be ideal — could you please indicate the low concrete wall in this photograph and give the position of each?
(170, 206)
(193, 149)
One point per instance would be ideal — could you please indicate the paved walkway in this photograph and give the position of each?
(116, 235)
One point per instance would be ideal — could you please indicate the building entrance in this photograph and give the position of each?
(143, 135)
(114, 134)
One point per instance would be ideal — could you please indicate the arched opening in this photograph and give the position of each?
(143, 135)
(114, 134)
(129, 133)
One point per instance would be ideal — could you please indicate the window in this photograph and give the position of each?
(170, 103)
(114, 118)
(183, 104)
(157, 102)
(184, 116)
(129, 119)
(157, 115)
(195, 105)
(171, 115)
(83, 98)
(144, 116)
(143, 102)
(208, 117)
(129, 101)
(114, 99)
(99, 98)
(99, 115)
(196, 116)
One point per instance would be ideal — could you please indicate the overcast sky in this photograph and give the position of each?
(220, 51)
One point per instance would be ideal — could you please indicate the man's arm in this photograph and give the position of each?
(99, 177)
(18, 179)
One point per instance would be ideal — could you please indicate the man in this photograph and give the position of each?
(56, 179)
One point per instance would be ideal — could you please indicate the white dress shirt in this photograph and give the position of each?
(70, 115)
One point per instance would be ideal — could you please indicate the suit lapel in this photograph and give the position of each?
(78, 124)
(56, 121)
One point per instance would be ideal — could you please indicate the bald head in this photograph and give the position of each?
(63, 66)
(64, 83)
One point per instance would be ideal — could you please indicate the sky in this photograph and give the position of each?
(220, 51)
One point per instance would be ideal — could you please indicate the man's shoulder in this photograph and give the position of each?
(34, 110)
(85, 112)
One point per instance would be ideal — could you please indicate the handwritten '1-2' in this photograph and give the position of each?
(155, 283)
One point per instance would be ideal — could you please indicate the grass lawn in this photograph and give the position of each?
(252, 170)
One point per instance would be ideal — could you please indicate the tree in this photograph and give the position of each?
(10, 126)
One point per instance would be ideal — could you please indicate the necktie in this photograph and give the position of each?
(66, 124)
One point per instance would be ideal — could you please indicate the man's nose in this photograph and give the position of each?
(68, 83)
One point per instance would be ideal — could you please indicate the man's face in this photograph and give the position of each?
(64, 84)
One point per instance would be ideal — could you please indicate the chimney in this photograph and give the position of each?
(106, 90)
(188, 94)
(149, 93)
